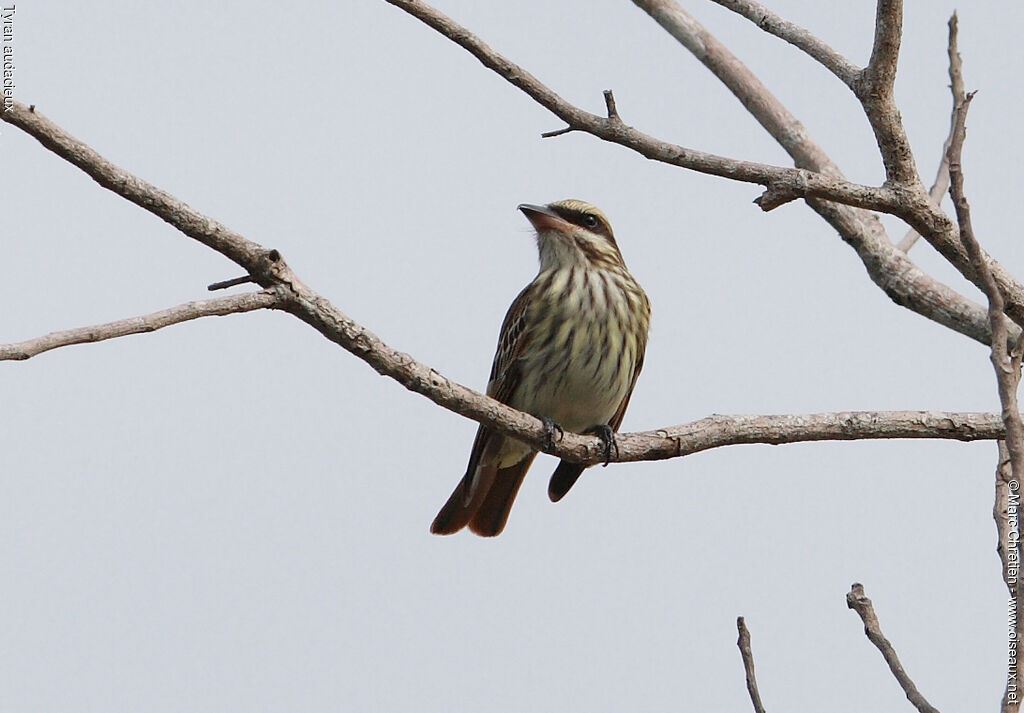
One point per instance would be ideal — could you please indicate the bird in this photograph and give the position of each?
(569, 352)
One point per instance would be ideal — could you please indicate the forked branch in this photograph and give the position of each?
(903, 195)
(889, 268)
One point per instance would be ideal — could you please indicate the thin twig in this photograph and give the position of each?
(235, 304)
(743, 642)
(557, 132)
(857, 601)
(956, 88)
(609, 103)
(233, 282)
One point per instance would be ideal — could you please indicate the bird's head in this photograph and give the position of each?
(573, 232)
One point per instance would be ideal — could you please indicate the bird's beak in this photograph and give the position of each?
(543, 218)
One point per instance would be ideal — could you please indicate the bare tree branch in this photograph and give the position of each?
(859, 602)
(269, 269)
(956, 88)
(885, 51)
(708, 433)
(873, 85)
(845, 70)
(743, 83)
(912, 203)
(783, 184)
(233, 282)
(815, 178)
(1006, 513)
(875, 91)
(718, 430)
(748, 664)
(1007, 367)
(889, 268)
(161, 204)
(235, 304)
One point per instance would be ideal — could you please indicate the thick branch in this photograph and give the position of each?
(235, 304)
(889, 268)
(744, 84)
(716, 431)
(937, 301)
(875, 91)
(912, 203)
(903, 196)
(873, 85)
(859, 602)
(885, 52)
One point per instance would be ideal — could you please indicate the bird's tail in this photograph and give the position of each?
(486, 511)
(564, 477)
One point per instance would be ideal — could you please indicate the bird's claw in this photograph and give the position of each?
(607, 436)
(549, 432)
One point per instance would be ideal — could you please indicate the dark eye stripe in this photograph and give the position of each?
(579, 217)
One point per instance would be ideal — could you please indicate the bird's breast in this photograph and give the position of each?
(586, 337)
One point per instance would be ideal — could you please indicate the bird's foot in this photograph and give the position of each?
(549, 432)
(607, 436)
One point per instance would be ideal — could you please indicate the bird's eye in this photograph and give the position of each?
(590, 221)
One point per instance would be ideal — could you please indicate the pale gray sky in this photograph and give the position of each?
(232, 514)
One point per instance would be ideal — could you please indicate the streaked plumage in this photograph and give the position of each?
(570, 349)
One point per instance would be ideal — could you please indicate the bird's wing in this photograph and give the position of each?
(513, 339)
(505, 372)
(505, 375)
(616, 419)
